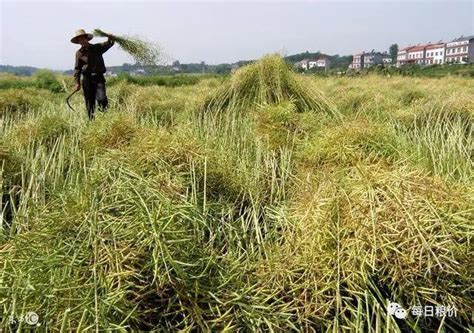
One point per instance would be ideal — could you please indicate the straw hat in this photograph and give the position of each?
(80, 33)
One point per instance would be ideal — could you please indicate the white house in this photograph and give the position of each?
(312, 64)
(402, 56)
(323, 62)
(386, 59)
(357, 61)
(138, 72)
(435, 54)
(303, 64)
(460, 50)
(416, 55)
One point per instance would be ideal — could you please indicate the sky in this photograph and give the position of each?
(38, 33)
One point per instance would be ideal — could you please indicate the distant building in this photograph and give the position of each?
(386, 59)
(372, 59)
(176, 66)
(460, 50)
(357, 61)
(434, 54)
(366, 60)
(312, 63)
(323, 62)
(421, 54)
(138, 72)
(416, 54)
(303, 64)
(402, 56)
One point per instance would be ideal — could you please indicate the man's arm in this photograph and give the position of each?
(107, 45)
(77, 70)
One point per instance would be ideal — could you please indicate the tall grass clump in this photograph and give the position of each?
(267, 81)
(373, 234)
(352, 143)
(440, 135)
(16, 102)
(167, 81)
(159, 105)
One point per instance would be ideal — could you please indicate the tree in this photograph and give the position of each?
(223, 68)
(393, 50)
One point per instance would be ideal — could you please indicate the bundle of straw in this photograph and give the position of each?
(143, 52)
(267, 81)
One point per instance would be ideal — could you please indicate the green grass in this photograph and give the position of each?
(432, 71)
(158, 215)
(42, 79)
(167, 81)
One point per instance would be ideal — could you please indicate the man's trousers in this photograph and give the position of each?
(93, 86)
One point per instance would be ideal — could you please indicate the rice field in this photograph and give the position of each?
(265, 201)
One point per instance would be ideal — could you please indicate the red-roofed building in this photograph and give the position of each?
(435, 54)
(402, 56)
(416, 54)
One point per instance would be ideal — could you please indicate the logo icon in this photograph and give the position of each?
(31, 318)
(396, 310)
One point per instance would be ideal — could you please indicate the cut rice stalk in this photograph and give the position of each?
(142, 51)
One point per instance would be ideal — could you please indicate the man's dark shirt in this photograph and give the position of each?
(89, 59)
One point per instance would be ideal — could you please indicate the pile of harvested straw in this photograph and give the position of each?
(267, 81)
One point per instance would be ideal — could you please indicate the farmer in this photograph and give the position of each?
(90, 63)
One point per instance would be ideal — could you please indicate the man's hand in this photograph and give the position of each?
(78, 87)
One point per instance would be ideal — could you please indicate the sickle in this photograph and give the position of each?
(67, 100)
